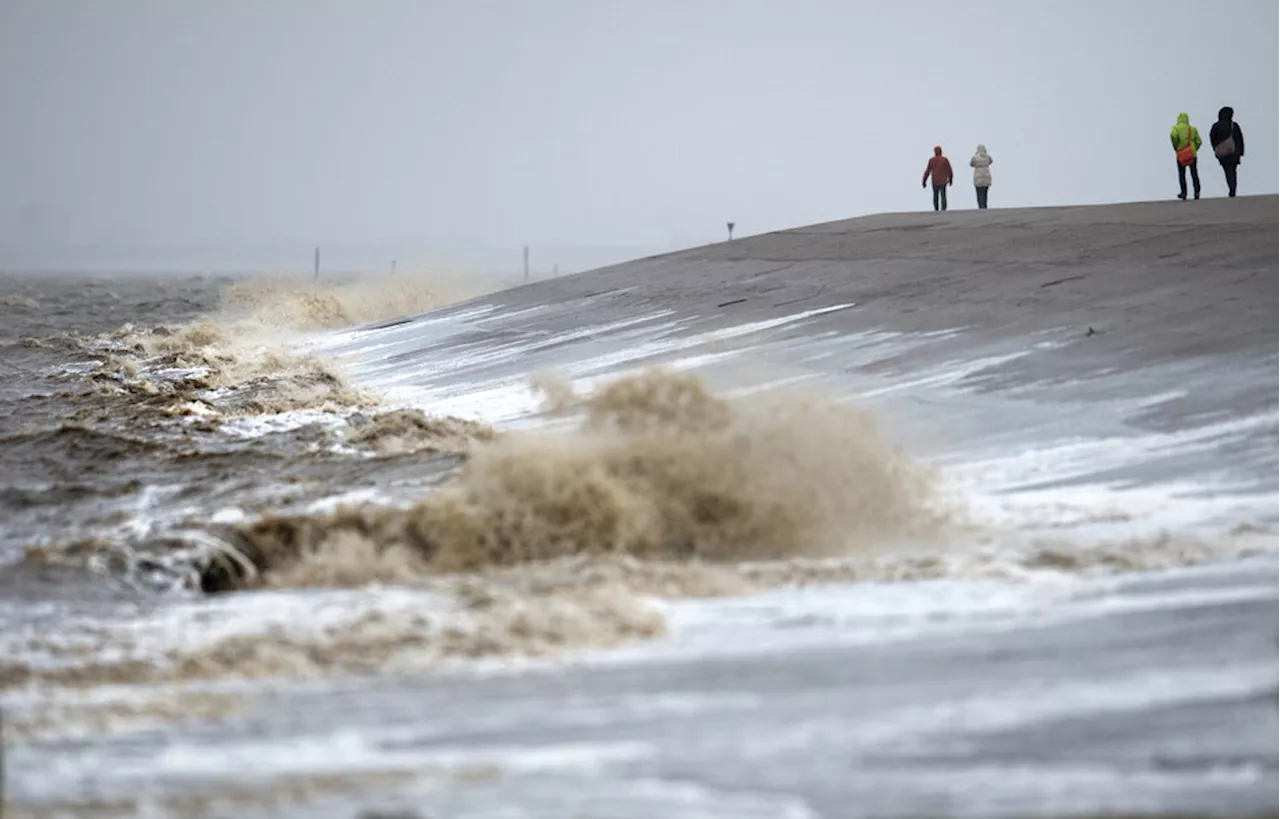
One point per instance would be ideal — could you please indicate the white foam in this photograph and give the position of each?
(256, 426)
(979, 597)
(352, 497)
(1119, 511)
(781, 622)
(947, 374)
(661, 345)
(346, 751)
(508, 399)
(1043, 484)
(227, 516)
(1019, 705)
(1082, 455)
(986, 790)
(497, 403)
(631, 797)
(465, 356)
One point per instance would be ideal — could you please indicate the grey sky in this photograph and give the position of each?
(593, 130)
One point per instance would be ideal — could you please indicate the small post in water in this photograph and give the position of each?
(1, 763)
(526, 263)
(315, 264)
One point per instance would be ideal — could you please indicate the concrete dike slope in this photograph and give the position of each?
(1172, 305)
(1097, 385)
(1093, 374)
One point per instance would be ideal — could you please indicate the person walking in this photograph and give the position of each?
(1186, 143)
(1228, 145)
(981, 164)
(939, 168)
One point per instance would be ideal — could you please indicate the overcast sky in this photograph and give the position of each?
(594, 130)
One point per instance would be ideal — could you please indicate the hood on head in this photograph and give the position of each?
(982, 149)
(1183, 119)
(1226, 113)
(937, 150)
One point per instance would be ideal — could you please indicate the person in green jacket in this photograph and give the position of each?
(1181, 135)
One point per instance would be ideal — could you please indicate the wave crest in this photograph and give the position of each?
(239, 360)
(658, 468)
(308, 304)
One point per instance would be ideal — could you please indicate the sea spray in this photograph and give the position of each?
(658, 468)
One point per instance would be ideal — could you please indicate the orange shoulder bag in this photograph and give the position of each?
(1187, 153)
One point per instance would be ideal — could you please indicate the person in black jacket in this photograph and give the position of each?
(1228, 146)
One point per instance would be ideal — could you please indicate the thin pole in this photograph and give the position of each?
(315, 264)
(1, 763)
(526, 263)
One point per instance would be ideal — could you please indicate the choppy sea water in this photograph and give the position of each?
(263, 557)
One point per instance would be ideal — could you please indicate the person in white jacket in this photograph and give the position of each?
(981, 164)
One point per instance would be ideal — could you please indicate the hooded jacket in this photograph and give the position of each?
(1183, 132)
(981, 164)
(1223, 128)
(939, 168)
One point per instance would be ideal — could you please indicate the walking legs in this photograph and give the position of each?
(1182, 179)
(1229, 170)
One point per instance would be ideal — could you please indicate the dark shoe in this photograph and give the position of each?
(1182, 196)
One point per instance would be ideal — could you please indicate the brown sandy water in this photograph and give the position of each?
(122, 481)
(118, 385)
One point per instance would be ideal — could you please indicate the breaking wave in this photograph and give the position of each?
(240, 360)
(544, 609)
(411, 430)
(658, 468)
(19, 301)
(214, 368)
(543, 541)
(307, 304)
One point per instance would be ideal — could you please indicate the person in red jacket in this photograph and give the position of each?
(939, 168)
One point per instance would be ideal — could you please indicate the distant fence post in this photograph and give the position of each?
(315, 264)
(526, 263)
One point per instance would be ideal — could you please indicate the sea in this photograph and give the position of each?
(400, 546)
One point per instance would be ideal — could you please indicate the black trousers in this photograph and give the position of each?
(939, 194)
(982, 197)
(1182, 178)
(1229, 170)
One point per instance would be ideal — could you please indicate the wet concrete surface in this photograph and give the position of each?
(1077, 316)
(1081, 308)
(972, 333)
(1080, 711)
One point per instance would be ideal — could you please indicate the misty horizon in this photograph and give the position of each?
(140, 134)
